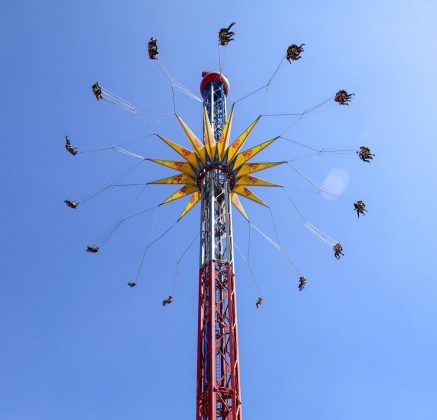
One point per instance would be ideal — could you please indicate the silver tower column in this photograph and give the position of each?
(215, 188)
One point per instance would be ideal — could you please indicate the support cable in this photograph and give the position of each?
(281, 248)
(128, 152)
(115, 148)
(318, 187)
(307, 155)
(298, 115)
(265, 236)
(97, 149)
(177, 85)
(100, 148)
(252, 275)
(152, 231)
(117, 100)
(110, 97)
(319, 233)
(110, 233)
(250, 94)
(177, 257)
(270, 81)
(137, 198)
(248, 243)
(323, 109)
(312, 154)
(107, 186)
(170, 80)
(144, 121)
(140, 213)
(117, 225)
(178, 261)
(277, 246)
(95, 194)
(219, 58)
(264, 86)
(173, 98)
(316, 149)
(150, 244)
(294, 205)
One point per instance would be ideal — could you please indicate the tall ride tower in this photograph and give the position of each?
(218, 371)
(215, 173)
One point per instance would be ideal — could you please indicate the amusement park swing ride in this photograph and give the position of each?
(215, 171)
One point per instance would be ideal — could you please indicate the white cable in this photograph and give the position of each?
(322, 235)
(129, 153)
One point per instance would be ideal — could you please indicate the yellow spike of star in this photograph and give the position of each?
(188, 155)
(245, 192)
(184, 167)
(256, 182)
(235, 147)
(237, 203)
(176, 179)
(223, 142)
(209, 138)
(185, 190)
(196, 143)
(249, 168)
(243, 157)
(193, 201)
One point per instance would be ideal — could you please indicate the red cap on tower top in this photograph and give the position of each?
(214, 76)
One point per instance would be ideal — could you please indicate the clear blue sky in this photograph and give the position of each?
(359, 343)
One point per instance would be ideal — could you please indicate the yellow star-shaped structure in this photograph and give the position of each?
(212, 154)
